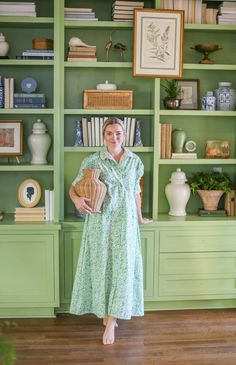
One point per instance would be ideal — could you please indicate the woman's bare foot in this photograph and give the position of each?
(105, 319)
(109, 333)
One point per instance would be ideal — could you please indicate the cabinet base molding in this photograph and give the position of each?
(27, 312)
(190, 304)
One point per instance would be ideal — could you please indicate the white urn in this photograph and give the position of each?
(4, 46)
(39, 142)
(177, 193)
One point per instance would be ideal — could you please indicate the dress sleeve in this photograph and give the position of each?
(139, 174)
(86, 163)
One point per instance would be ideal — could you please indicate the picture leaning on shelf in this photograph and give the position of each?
(89, 132)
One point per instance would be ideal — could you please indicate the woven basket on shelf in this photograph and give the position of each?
(107, 99)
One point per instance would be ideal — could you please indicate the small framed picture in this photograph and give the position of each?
(29, 193)
(217, 149)
(189, 94)
(11, 137)
(158, 43)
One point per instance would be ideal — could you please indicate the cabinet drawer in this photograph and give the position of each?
(198, 240)
(197, 263)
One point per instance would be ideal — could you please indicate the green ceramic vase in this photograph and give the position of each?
(178, 139)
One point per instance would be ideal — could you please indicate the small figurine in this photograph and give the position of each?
(108, 46)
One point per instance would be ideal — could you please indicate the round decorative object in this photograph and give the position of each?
(39, 142)
(29, 193)
(28, 85)
(190, 146)
(177, 193)
(106, 86)
(92, 188)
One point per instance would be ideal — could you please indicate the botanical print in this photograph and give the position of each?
(159, 42)
(7, 137)
(187, 94)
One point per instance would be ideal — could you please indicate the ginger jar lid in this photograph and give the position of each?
(178, 176)
(106, 86)
(2, 38)
(39, 127)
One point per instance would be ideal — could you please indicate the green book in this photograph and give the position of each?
(212, 213)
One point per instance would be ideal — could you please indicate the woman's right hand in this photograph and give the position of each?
(82, 206)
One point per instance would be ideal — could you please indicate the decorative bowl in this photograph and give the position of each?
(206, 48)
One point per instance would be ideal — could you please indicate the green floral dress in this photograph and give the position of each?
(109, 279)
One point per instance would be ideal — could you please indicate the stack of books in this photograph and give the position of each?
(212, 213)
(124, 10)
(82, 53)
(227, 13)
(20, 8)
(36, 54)
(79, 14)
(36, 214)
(182, 155)
(92, 131)
(32, 100)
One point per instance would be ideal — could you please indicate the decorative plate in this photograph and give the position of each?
(29, 193)
(28, 85)
(190, 146)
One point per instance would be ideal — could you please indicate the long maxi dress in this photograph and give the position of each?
(109, 277)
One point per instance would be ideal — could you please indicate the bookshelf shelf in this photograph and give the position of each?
(108, 112)
(98, 64)
(94, 149)
(199, 113)
(198, 161)
(22, 167)
(27, 111)
(26, 21)
(214, 67)
(210, 27)
(97, 24)
(26, 63)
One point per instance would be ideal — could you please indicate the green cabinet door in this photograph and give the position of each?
(28, 274)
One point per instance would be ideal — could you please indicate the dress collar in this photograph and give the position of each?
(105, 154)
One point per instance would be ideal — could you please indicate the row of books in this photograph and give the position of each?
(21, 100)
(79, 14)
(124, 10)
(36, 54)
(12, 8)
(166, 145)
(37, 214)
(91, 131)
(81, 53)
(195, 11)
(227, 13)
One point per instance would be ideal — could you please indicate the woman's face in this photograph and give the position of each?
(114, 135)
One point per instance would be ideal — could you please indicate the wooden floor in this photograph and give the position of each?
(200, 337)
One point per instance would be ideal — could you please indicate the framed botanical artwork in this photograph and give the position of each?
(29, 193)
(189, 94)
(217, 149)
(11, 137)
(158, 43)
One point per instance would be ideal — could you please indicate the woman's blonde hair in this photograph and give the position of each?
(110, 121)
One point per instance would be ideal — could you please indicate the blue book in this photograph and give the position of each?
(35, 57)
(28, 106)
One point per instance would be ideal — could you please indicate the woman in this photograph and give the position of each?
(109, 281)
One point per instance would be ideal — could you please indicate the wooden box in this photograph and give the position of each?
(107, 99)
(42, 43)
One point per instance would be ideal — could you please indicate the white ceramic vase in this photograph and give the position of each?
(4, 46)
(39, 142)
(177, 193)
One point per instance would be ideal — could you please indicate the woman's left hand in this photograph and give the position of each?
(145, 221)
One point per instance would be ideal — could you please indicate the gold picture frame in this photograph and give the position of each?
(29, 193)
(158, 43)
(11, 138)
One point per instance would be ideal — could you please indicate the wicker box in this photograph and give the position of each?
(42, 43)
(107, 99)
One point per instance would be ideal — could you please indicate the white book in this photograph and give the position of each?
(81, 10)
(125, 128)
(132, 131)
(198, 11)
(128, 130)
(184, 155)
(89, 133)
(93, 131)
(11, 93)
(101, 121)
(97, 131)
(17, 13)
(51, 200)
(47, 204)
(17, 7)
